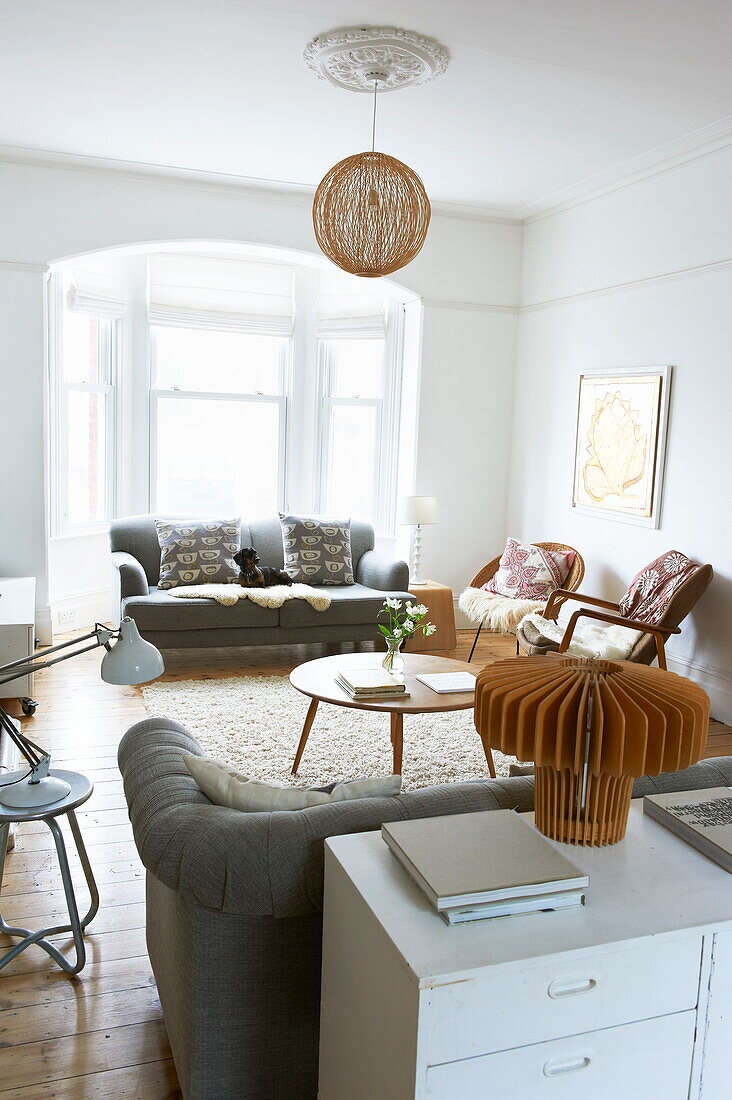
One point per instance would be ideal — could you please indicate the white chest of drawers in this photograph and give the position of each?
(17, 630)
(629, 997)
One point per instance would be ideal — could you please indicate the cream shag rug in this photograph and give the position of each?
(254, 723)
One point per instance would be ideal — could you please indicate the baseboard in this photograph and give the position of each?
(716, 682)
(81, 609)
(44, 624)
(462, 622)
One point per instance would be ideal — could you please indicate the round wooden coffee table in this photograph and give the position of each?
(317, 679)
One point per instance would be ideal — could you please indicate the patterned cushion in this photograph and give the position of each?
(198, 551)
(317, 551)
(651, 590)
(527, 572)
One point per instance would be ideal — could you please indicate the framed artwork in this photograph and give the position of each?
(621, 442)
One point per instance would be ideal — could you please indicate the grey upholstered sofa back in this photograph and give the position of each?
(271, 864)
(137, 535)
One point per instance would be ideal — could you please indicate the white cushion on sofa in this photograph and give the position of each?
(226, 786)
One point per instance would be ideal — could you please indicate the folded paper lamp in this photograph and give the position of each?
(591, 727)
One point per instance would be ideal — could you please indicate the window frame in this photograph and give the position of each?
(388, 412)
(109, 351)
(280, 400)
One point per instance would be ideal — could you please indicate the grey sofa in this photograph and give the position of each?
(169, 622)
(234, 904)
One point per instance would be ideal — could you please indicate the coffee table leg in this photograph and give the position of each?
(309, 718)
(397, 724)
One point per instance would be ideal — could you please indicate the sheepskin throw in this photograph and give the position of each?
(228, 594)
(498, 613)
(612, 643)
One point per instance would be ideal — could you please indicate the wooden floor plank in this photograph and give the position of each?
(152, 1081)
(100, 1034)
(89, 1052)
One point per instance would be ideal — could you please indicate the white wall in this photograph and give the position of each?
(642, 276)
(52, 209)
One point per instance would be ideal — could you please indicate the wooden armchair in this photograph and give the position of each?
(650, 645)
(572, 580)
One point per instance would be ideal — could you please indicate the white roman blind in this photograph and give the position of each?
(96, 293)
(345, 308)
(218, 293)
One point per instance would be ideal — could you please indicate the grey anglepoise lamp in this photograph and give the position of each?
(129, 660)
(416, 512)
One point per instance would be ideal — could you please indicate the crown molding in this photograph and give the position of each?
(250, 188)
(674, 154)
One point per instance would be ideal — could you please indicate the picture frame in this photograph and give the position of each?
(620, 444)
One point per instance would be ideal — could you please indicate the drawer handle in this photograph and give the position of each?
(556, 1068)
(571, 988)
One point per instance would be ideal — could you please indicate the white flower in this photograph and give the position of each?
(393, 604)
(409, 627)
(417, 610)
(397, 632)
(430, 628)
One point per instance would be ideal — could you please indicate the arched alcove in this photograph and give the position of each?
(220, 378)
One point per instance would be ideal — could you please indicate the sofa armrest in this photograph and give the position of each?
(386, 575)
(133, 581)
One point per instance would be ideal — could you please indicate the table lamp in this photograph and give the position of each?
(591, 727)
(129, 660)
(416, 512)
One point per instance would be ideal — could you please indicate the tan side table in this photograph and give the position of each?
(438, 598)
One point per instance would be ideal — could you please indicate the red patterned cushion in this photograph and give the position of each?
(651, 590)
(527, 572)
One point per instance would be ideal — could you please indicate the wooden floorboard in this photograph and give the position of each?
(101, 1034)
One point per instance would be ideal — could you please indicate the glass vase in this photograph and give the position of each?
(394, 658)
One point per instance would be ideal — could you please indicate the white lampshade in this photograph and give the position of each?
(414, 510)
(131, 660)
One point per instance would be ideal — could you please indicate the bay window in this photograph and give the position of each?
(84, 442)
(222, 386)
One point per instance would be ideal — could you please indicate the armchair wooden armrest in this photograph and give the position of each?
(659, 633)
(560, 595)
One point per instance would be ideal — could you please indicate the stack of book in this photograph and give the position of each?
(370, 683)
(489, 864)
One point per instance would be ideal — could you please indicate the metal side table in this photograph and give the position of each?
(81, 789)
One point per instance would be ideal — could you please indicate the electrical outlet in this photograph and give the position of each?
(66, 618)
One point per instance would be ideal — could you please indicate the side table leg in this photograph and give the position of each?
(75, 924)
(309, 719)
(88, 873)
(397, 740)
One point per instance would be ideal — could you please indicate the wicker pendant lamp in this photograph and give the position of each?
(371, 212)
(591, 727)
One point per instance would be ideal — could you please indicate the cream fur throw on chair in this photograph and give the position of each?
(501, 614)
(612, 643)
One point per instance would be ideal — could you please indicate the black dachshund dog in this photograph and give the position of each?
(252, 575)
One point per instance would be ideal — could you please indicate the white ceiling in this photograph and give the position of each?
(539, 94)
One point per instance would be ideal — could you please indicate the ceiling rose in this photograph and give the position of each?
(354, 57)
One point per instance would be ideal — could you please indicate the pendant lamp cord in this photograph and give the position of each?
(373, 120)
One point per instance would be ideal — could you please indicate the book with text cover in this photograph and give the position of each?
(701, 818)
(369, 681)
(471, 859)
